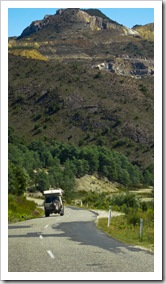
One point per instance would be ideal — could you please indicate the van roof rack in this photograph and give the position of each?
(53, 191)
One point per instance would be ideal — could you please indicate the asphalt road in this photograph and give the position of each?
(71, 243)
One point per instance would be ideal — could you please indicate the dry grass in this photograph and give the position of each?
(92, 183)
(28, 53)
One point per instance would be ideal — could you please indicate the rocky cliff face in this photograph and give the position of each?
(96, 23)
(35, 27)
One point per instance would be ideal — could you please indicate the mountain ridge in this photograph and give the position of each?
(92, 18)
(86, 16)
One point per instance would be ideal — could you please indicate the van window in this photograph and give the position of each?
(48, 199)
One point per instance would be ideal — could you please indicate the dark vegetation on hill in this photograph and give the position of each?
(71, 102)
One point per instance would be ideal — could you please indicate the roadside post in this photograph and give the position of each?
(109, 216)
(141, 227)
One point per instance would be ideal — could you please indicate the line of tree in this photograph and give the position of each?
(42, 164)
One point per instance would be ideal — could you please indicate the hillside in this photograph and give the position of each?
(146, 31)
(82, 79)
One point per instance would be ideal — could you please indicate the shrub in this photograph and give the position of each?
(144, 206)
(40, 129)
(133, 218)
(37, 116)
(98, 75)
(143, 88)
(125, 201)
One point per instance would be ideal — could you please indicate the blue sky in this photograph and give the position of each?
(20, 18)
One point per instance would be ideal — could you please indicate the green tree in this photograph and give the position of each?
(15, 155)
(147, 178)
(134, 175)
(12, 181)
(68, 181)
(22, 179)
(91, 155)
(112, 172)
(81, 167)
(42, 181)
(107, 165)
(56, 174)
(18, 179)
(124, 177)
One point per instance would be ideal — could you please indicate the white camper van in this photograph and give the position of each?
(53, 202)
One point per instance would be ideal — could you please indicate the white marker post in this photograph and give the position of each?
(141, 227)
(109, 217)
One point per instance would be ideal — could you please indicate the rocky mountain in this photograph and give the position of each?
(66, 20)
(79, 77)
(80, 34)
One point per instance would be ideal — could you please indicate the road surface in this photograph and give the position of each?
(71, 243)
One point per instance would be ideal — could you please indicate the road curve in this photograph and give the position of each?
(71, 243)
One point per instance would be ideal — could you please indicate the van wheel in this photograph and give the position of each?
(62, 212)
(47, 214)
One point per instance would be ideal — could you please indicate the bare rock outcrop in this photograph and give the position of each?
(128, 67)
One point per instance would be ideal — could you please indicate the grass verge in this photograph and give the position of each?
(128, 233)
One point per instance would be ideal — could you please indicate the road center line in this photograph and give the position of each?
(50, 254)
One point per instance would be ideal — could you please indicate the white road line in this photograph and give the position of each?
(41, 237)
(46, 227)
(50, 254)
